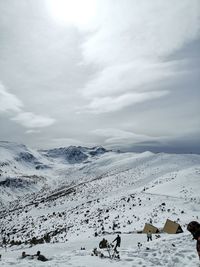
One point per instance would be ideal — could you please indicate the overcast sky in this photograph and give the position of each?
(118, 73)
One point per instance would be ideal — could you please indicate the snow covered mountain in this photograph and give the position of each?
(73, 154)
(24, 170)
(79, 194)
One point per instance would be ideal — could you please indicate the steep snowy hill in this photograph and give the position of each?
(24, 170)
(20, 171)
(104, 193)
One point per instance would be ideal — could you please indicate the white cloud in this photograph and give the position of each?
(109, 104)
(131, 43)
(131, 29)
(31, 120)
(133, 76)
(8, 102)
(12, 104)
(116, 136)
(32, 131)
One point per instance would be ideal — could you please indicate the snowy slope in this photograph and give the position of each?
(101, 195)
(24, 170)
(168, 251)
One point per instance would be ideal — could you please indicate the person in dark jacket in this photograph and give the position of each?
(24, 255)
(194, 228)
(41, 257)
(103, 243)
(149, 236)
(118, 242)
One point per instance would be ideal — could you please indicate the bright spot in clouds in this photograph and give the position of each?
(76, 12)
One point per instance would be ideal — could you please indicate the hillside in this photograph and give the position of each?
(77, 195)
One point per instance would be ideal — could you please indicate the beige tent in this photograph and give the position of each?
(148, 227)
(172, 227)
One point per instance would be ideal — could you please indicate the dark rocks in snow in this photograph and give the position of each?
(97, 151)
(95, 234)
(71, 154)
(36, 241)
(16, 182)
(15, 243)
(41, 166)
(25, 156)
(3, 164)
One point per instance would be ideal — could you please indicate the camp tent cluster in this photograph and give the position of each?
(170, 227)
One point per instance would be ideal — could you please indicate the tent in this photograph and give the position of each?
(172, 227)
(148, 227)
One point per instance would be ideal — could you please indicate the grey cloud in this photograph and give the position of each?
(137, 60)
(65, 141)
(134, 69)
(155, 30)
(13, 105)
(32, 131)
(133, 76)
(116, 136)
(110, 104)
(31, 120)
(8, 101)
